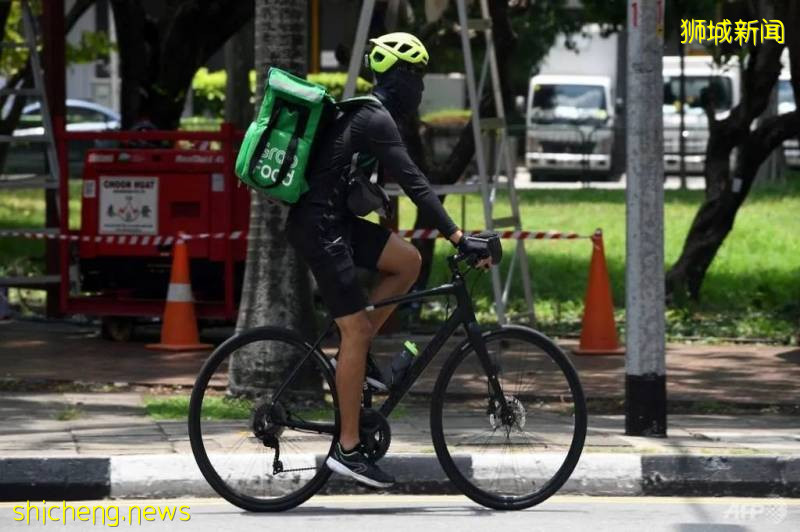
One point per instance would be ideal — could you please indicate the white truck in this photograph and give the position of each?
(702, 78)
(571, 106)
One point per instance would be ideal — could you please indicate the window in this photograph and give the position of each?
(577, 96)
(81, 115)
(785, 94)
(557, 103)
(33, 118)
(718, 87)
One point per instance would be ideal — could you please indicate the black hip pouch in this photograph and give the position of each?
(364, 196)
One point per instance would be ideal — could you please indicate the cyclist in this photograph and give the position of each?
(334, 241)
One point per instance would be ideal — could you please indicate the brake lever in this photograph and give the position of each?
(471, 260)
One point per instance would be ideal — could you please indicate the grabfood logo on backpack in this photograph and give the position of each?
(270, 165)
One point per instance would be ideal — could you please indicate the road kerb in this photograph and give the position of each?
(610, 474)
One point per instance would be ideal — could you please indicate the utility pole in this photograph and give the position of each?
(645, 373)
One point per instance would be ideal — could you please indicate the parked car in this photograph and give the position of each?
(29, 158)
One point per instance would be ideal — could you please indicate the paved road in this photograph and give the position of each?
(447, 513)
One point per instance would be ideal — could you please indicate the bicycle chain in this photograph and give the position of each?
(298, 469)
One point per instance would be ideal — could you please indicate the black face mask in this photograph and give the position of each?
(400, 91)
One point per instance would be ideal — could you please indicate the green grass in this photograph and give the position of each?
(752, 289)
(200, 123)
(214, 408)
(176, 407)
(25, 209)
(69, 413)
(447, 117)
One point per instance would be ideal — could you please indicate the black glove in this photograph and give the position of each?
(473, 248)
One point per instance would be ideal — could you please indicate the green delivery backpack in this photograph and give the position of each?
(276, 146)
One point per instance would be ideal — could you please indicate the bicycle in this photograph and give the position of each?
(289, 421)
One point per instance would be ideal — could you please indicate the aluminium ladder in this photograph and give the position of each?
(485, 131)
(49, 180)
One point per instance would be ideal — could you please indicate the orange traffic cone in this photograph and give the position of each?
(179, 328)
(598, 334)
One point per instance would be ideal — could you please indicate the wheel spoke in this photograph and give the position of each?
(517, 450)
(235, 432)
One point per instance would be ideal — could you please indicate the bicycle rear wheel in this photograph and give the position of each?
(514, 457)
(260, 436)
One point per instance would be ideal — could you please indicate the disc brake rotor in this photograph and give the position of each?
(514, 415)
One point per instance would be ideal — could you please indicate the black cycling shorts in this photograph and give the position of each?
(333, 249)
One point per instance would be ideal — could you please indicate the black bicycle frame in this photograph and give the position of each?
(463, 314)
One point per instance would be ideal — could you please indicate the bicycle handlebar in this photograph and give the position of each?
(493, 247)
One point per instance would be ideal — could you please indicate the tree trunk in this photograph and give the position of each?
(136, 48)
(724, 195)
(159, 57)
(277, 289)
(238, 62)
(716, 216)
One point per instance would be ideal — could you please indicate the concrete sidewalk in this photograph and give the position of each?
(65, 352)
(109, 424)
(113, 448)
(75, 424)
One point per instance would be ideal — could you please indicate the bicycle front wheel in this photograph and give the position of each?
(514, 456)
(262, 418)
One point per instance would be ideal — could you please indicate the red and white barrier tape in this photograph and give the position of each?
(130, 240)
(167, 240)
(424, 234)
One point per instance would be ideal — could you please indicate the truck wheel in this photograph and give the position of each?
(116, 328)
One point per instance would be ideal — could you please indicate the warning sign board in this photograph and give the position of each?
(128, 205)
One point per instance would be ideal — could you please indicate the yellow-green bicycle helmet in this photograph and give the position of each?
(387, 49)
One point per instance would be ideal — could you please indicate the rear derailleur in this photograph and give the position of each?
(268, 423)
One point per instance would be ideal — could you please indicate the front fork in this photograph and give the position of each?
(495, 390)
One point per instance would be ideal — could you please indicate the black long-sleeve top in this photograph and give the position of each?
(373, 132)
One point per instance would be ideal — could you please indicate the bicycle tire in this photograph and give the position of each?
(468, 486)
(195, 421)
